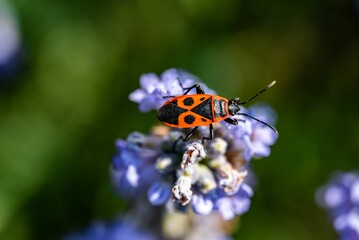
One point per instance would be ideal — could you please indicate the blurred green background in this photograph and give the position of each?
(64, 109)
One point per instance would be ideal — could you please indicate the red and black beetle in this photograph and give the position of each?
(200, 109)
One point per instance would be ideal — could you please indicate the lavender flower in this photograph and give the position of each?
(341, 199)
(208, 178)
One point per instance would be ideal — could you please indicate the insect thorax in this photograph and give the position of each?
(219, 108)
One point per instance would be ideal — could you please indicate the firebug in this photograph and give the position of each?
(200, 109)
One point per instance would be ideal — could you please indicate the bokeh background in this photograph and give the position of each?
(64, 101)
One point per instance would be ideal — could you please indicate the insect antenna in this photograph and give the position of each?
(260, 92)
(264, 123)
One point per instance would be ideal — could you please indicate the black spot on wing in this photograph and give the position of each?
(188, 101)
(170, 112)
(204, 109)
(189, 119)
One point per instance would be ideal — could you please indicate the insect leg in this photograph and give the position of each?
(199, 89)
(231, 121)
(184, 139)
(211, 134)
(189, 134)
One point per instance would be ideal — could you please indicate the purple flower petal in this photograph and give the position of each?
(263, 112)
(159, 193)
(264, 135)
(201, 204)
(241, 205)
(224, 206)
(151, 101)
(138, 95)
(132, 176)
(333, 196)
(245, 191)
(354, 196)
(260, 150)
(340, 197)
(237, 204)
(149, 82)
(246, 146)
(170, 79)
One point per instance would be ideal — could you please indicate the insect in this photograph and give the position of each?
(200, 109)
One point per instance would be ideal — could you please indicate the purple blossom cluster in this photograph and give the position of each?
(206, 181)
(210, 177)
(340, 196)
